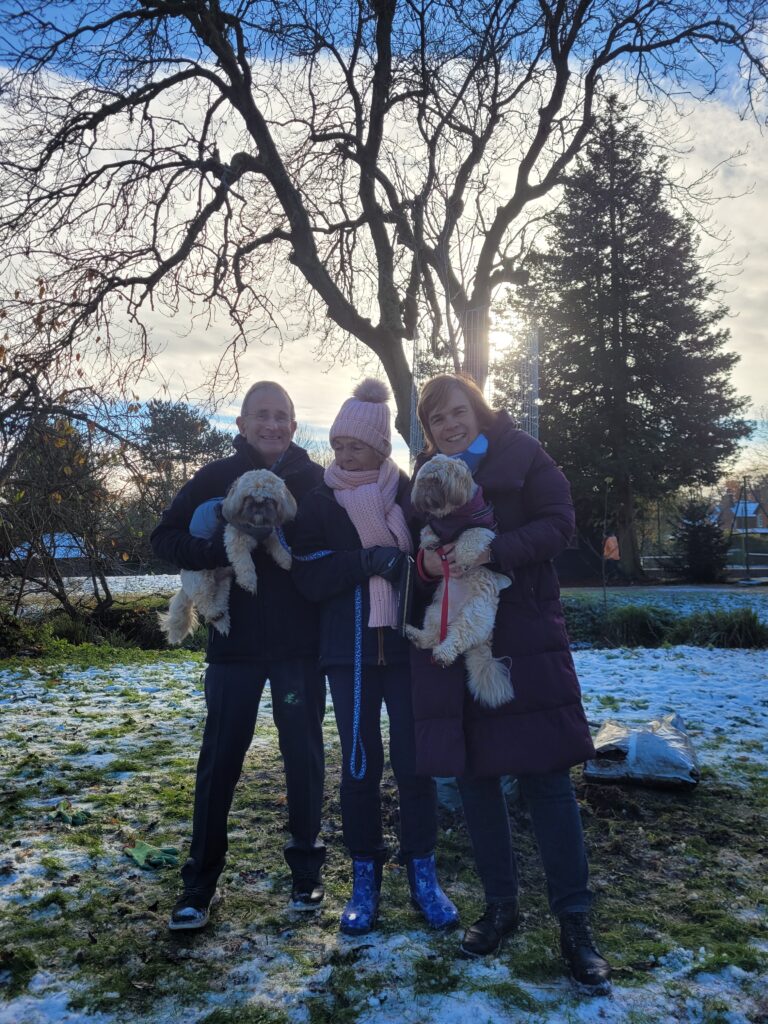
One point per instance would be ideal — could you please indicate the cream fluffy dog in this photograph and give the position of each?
(256, 503)
(442, 486)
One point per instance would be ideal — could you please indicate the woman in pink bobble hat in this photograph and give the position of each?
(350, 544)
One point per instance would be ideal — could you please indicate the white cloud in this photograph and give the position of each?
(717, 132)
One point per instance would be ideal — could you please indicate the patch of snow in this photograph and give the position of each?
(721, 695)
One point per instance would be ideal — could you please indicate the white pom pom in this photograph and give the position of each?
(372, 390)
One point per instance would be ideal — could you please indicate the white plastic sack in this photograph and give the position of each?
(657, 754)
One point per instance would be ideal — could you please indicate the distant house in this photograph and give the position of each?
(56, 545)
(748, 517)
(68, 551)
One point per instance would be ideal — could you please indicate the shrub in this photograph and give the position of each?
(82, 630)
(16, 636)
(738, 628)
(634, 625)
(583, 620)
(121, 626)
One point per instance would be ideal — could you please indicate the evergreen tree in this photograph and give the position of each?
(635, 383)
(174, 439)
(177, 439)
(699, 547)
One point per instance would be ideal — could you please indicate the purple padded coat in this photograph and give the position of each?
(544, 728)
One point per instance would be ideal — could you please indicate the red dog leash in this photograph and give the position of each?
(430, 579)
(444, 606)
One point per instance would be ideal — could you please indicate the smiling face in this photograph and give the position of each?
(266, 423)
(453, 424)
(353, 455)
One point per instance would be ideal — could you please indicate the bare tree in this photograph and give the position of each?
(44, 375)
(363, 163)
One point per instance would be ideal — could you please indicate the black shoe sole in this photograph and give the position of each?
(196, 926)
(472, 955)
(600, 988)
(191, 926)
(303, 907)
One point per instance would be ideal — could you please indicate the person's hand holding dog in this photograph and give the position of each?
(433, 561)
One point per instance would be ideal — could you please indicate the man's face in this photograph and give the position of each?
(266, 423)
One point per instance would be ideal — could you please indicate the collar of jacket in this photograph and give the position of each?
(293, 460)
(510, 454)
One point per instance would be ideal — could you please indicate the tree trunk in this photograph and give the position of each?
(476, 360)
(629, 550)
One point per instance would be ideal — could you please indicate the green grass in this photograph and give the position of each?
(670, 870)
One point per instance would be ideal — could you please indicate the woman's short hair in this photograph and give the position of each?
(435, 392)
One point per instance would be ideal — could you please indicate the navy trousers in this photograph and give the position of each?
(361, 798)
(232, 695)
(556, 824)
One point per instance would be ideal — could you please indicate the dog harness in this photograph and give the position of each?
(476, 512)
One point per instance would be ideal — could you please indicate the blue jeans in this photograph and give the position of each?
(361, 799)
(556, 824)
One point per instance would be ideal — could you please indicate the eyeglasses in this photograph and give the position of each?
(279, 417)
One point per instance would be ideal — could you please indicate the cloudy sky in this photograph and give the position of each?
(714, 133)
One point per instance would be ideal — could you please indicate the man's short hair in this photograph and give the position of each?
(262, 385)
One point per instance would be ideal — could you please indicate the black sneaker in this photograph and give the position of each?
(307, 892)
(589, 969)
(192, 911)
(486, 935)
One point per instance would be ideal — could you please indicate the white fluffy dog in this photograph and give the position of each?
(256, 503)
(442, 486)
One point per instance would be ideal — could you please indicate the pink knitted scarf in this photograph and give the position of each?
(368, 498)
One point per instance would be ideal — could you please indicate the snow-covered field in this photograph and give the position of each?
(685, 600)
(142, 719)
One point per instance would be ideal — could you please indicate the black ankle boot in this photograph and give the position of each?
(486, 935)
(589, 969)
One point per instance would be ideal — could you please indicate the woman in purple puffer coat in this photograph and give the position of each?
(540, 733)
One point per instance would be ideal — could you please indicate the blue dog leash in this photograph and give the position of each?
(357, 772)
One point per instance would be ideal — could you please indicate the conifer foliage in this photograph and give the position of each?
(698, 543)
(635, 380)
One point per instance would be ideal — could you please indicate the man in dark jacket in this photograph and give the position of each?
(273, 635)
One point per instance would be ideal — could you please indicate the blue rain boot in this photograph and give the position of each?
(427, 896)
(360, 913)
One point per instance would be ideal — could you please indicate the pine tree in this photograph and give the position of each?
(635, 382)
(699, 547)
(178, 438)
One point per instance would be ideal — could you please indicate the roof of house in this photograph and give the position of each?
(746, 508)
(57, 545)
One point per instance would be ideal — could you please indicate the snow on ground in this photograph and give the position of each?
(722, 695)
(684, 600)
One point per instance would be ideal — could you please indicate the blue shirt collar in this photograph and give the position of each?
(473, 455)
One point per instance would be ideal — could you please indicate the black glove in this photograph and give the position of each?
(382, 561)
